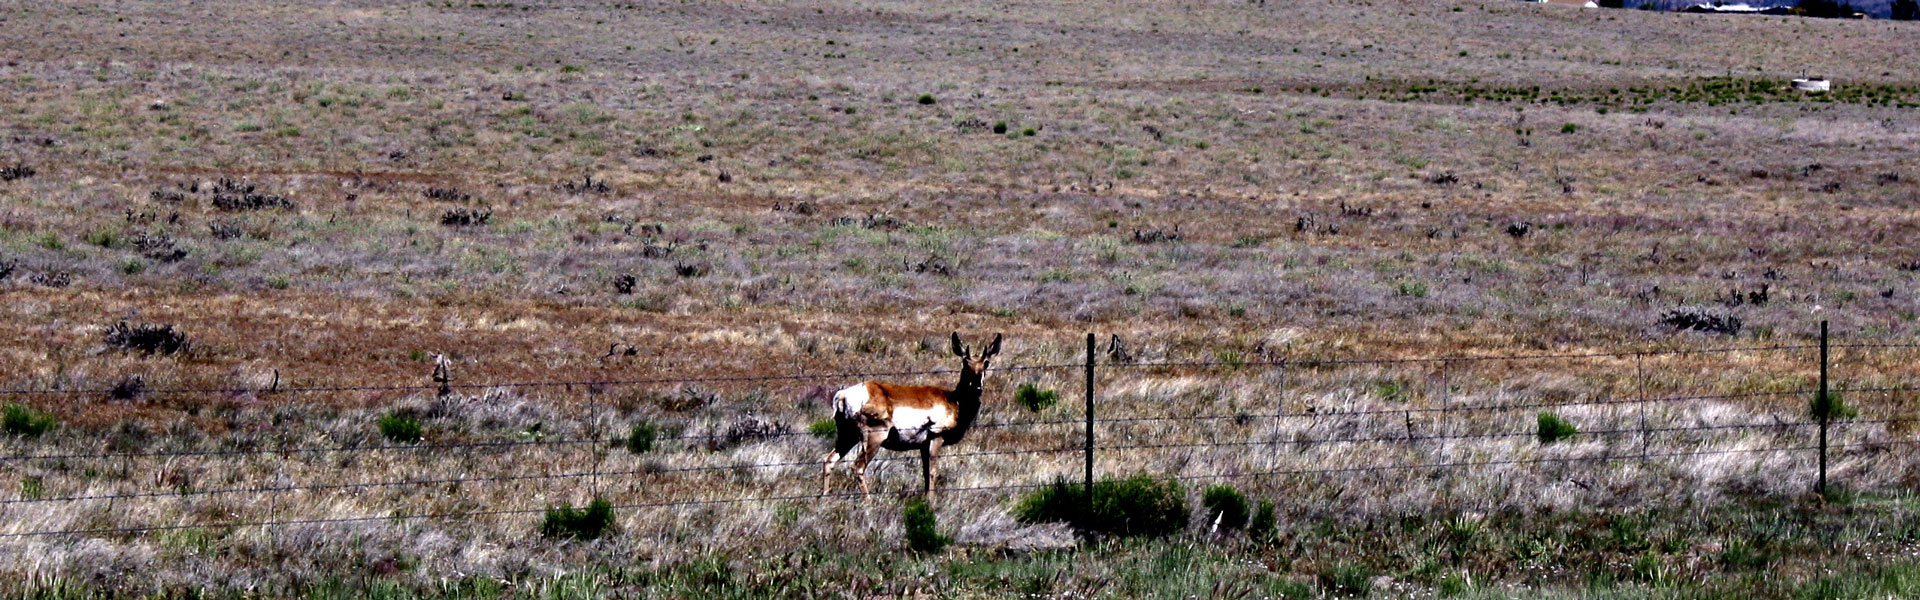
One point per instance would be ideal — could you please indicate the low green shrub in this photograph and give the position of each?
(824, 428)
(105, 238)
(25, 422)
(580, 524)
(926, 99)
(1034, 398)
(1136, 506)
(923, 533)
(400, 428)
(1225, 506)
(1264, 522)
(1553, 428)
(640, 439)
(1831, 407)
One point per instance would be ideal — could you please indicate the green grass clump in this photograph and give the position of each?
(1034, 398)
(105, 238)
(401, 428)
(1264, 523)
(926, 99)
(640, 439)
(1553, 428)
(1830, 407)
(1136, 506)
(25, 422)
(923, 535)
(824, 428)
(1225, 505)
(579, 524)
(1000, 127)
(1347, 580)
(1569, 128)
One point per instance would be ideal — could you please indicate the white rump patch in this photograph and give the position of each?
(848, 402)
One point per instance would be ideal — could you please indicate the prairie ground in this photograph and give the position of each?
(686, 201)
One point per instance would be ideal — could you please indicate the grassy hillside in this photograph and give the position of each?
(323, 196)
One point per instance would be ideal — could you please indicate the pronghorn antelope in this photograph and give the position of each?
(905, 417)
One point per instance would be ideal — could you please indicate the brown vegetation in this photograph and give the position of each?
(327, 194)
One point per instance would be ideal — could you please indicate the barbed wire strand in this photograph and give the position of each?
(1305, 363)
(755, 466)
(645, 470)
(1608, 458)
(988, 425)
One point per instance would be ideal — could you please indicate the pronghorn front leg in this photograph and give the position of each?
(930, 471)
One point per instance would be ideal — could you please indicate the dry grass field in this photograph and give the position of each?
(327, 194)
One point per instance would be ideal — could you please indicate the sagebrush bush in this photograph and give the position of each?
(1136, 506)
(1225, 506)
(131, 387)
(402, 429)
(466, 217)
(580, 524)
(149, 339)
(1034, 398)
(1553, 428)
(25, 422)
(923, 533)
(640, 438)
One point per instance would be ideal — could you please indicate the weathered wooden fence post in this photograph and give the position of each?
(1089, 480)
(1823, 410)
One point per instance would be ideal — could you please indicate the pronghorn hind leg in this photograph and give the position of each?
(874, 438)
(846, 437)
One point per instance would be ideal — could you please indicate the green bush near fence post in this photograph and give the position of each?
(1136, 506)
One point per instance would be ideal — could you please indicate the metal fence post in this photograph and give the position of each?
(1825, 409)
(1639, 373)
(1089, 480)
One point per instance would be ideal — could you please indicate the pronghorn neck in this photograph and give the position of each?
(966, 398)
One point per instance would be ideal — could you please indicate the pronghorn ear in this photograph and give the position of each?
(993, 348)
(958, 350)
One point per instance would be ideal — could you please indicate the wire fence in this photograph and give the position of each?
(1410, 436)
(1304, 363)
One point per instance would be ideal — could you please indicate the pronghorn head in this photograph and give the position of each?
(973, 368)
